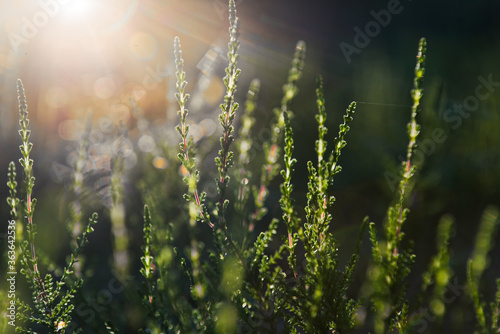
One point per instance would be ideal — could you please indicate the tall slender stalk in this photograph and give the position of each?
(393, 264)
(272, 149)
(413, 129)
(29, 182)
(228, 110)
(196, 201)
(51, 308)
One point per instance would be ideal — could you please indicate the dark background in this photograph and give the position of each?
(460, 177)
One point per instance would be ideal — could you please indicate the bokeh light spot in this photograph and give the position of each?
(143, 45)
(437, 307)
(146, 143)
(214, 90)
(160, 163)
(196, 132)
(208, 126)
(183, 171)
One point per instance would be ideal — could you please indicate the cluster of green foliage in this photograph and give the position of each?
(52, 302)
(286, 279)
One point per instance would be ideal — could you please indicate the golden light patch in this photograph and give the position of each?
(143, 45)
(61, 325)
(215, 91)
(183, 171)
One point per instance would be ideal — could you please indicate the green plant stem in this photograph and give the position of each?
(147, 259)
(392, 265)
(413, 129)
(12, 200)
(272, 149)
(197, 208)
(287, 203)
(228, 110)
(29, 180)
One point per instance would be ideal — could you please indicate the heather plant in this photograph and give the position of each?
(312, 300)
(204, 266)
(392, 263)
(275, 292)
(52, 300)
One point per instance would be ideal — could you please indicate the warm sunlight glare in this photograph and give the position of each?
(76, 9)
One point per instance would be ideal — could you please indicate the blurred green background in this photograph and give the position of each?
(93, 56)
